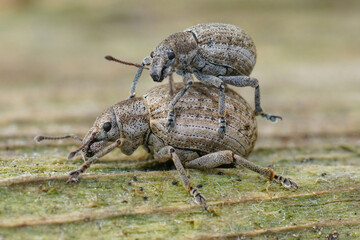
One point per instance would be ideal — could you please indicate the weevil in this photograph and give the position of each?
(216, 53)
(193, 142)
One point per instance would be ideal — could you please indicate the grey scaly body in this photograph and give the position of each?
(196, 127)
(193, 142)
(217, 54)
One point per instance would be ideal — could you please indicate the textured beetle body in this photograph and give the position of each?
(191, 143)
(196, 127)
(212, 49)
(223, 50)
(143, 122)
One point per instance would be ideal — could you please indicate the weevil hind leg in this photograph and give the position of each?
(217, 159)
(211, 160)
(168, 153)
(266, 172)
(246, 81)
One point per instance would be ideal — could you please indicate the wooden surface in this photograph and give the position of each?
(54, 80)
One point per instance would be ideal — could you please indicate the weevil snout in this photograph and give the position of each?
(162, 59)
(104, 130)
(93, 148)
(156, 76)
(158, 69)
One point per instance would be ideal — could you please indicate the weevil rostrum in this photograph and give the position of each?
(193, 142)
(216, 53)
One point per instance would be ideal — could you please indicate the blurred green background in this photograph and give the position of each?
(52, 67)
(54, 80)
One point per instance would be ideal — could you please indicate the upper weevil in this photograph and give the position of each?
(217, 54)
(192, 143)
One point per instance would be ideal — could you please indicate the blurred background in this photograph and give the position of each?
(54, 78)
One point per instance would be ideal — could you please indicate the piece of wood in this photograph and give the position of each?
(125, 200)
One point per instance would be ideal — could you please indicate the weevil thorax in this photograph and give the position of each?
(127, 119)
(174, 53)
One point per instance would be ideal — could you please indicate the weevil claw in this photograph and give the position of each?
(290, 184)
(198, 197)
(74, 177)
(286, 183)
(272, 118)
(222, 127)
(221, 131)
(170, 123)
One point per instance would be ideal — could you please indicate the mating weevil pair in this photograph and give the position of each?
(217, 54)
(193, 142)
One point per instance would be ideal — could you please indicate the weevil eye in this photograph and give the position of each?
(107, 126)
(152, 54)
(171, 55)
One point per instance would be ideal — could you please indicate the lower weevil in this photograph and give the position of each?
(192, 143)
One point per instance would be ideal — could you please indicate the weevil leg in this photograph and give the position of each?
(266, 172)
(146, 61)
(217, 82)
(246, 81)
(222, 113)
(217, 159)
(171, 84)
(167, 153)
(211, 160)
(74, 175)
(171, 115)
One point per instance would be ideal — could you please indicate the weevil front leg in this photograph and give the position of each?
(217, 82)
(171, 115)
(217, 159)
(145, 62)
(120, 143)
(167, 153)
(171, 85)
(246, 81)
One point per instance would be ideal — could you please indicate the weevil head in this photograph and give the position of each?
(127, 123)
(175, 52)
(128, 120)
(162, 58)
(104, 130)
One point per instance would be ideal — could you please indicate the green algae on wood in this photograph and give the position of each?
(124, 200)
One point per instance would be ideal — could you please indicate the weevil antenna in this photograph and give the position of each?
(110, 58)
(72, 154)
(40, 138)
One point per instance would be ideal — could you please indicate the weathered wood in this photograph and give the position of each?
(149, 204)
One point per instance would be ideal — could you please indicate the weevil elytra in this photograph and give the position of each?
(193, 142)
(216, 53)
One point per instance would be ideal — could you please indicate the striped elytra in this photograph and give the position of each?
(225, 45)
(196, 120)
